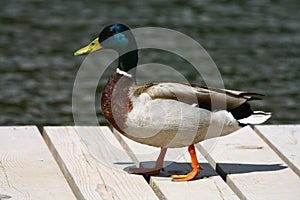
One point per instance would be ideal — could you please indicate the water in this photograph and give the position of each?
(255, 44)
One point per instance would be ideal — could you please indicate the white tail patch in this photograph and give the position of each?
(257, 117)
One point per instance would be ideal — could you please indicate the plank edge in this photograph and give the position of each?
(277, 151)
(76, 191)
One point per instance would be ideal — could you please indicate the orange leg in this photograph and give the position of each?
(195, 165)
(152, 171)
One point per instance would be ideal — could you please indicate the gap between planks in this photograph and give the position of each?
(93, 163)
(283, 140)
(251, 168)
(161, 185)
(27, 168)
(208, 184)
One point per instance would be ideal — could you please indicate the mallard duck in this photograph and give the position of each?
(166, 114)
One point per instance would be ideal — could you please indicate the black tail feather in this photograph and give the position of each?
(241, 111)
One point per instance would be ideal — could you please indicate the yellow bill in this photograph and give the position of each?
(93, 46)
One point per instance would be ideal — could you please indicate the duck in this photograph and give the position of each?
(166, 114)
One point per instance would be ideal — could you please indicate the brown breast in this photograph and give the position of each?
(115, 101)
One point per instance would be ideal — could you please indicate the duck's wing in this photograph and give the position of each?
(204, 97)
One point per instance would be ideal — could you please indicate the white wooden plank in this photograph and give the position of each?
(207, 188)
(27, 168)
(93, 161)
(285, 141)
(177, 161)
(253, 170)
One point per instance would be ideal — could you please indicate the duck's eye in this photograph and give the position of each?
(112, 31)
(93, 43)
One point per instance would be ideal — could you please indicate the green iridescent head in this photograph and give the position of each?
(116, 36)
(119, 38)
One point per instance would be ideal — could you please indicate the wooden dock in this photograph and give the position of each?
(77, 162)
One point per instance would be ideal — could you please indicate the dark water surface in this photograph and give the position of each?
(255, 44)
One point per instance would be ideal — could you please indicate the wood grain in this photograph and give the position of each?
(92, 160)
(285, 141)
(27, 168)
(177, 161)
(251, 168)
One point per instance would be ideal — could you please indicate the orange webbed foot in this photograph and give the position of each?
(188, 177)
(195, 165)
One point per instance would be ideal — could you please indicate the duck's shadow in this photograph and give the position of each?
(222, 169)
